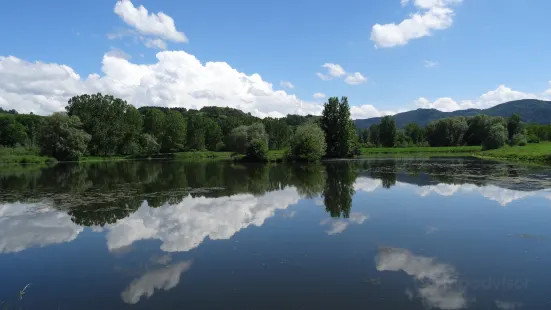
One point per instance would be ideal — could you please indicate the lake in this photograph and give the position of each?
(449, 233)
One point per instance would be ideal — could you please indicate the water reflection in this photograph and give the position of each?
(181, 204)
(163, 278)
(437, 283)
(282, 225)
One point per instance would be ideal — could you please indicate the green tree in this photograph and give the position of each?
(340, 134)
(154, 123)
(307, 144)
(497, 137)
(132, 131)
(174, 137)
(149, 145)
(104, 118)
(250, 140)
(374, 135)
(213, 135)
(61, 137)
(12, 133)
(514, 126)
(387, 131)
(339, 188)
(278, 132)
(196, 130)
(364, 135)
(415, 133)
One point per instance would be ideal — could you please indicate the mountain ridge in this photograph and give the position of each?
(530, 110)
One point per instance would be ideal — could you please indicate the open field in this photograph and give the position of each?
(538, 152)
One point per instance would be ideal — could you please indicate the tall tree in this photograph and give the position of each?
(514, 125)
(374, 135)
(61, 137)
(103, 117)
(132, 131)
(154, 123)
(196, 130)
(174, 137)
(364, 135)
(387, 131)
(213, 135)
(414, 133)
(12, 133)
(340, 134)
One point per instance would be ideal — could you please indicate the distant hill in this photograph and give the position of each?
(531, 111)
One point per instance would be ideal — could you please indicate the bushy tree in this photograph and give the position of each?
(61, 137)
(154, 123)
(340, 132)
(401, 140)
(364, 135)
(252, 141)
(374, 135)
(149, 145)
(307, 144)
(213, 135)
(278, 132)
(387, 131)
(106, 118)
(514, 126)
(131, 132)
(447, 131)
(415, 133)
(497, 137)
(196, 132)
(519, 139)
(174, 137)
(12, 133)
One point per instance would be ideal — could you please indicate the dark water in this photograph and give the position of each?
(377, 234)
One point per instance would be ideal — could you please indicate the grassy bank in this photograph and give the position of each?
(407, 151)
(539, 152)
(22, 155)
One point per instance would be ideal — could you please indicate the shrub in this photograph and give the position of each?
(518, 139)
(307, 144)
(257, 150)
(532, 138)
(149, 144)
(497, 136)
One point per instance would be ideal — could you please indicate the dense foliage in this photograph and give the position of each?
(340, 132)
(307, 144)
(478, 130)
(115, 127)
(62, 137)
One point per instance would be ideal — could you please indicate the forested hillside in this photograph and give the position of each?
(531, 111)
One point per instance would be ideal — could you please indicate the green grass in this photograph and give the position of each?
(420, 150)
(22, 155)
(537, 152)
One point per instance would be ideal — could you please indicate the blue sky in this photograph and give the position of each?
(446, 54)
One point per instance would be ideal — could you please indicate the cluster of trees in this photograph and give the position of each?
(487, 131)
(102, 125)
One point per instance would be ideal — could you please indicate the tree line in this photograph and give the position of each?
(487, 131)
(102, 125)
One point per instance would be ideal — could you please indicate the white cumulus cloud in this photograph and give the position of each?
(165, 278)
(355, 78)
(24, 226)
(367, 111)
(438, 282)
(492, 98)
(158, 25)
(184, 226)
(286, 84)
(337, 226)
(434, 15)
(334, 70)
(155, 43)
(430, 64)
(177, 79)
(319, 95)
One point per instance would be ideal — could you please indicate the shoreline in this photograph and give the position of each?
(531, 153)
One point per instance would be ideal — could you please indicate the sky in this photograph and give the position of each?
(273, 58)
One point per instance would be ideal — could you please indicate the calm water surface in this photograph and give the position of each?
(373, 234)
